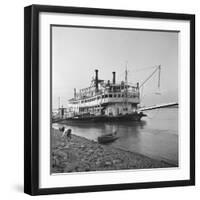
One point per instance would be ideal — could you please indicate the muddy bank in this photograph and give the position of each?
(80, 155)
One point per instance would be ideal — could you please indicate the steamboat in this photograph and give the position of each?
(104, 101)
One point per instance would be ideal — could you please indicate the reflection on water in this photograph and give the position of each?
(155, 136)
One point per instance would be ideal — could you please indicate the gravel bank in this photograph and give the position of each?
(80, 155)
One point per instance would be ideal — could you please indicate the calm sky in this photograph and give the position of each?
(77, 52)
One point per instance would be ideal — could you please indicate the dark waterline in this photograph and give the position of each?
(155, 136)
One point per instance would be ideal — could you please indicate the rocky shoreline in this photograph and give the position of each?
(82, 155)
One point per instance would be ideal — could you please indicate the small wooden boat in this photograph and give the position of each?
(111, 137)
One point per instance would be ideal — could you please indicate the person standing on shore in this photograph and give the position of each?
(67, 135)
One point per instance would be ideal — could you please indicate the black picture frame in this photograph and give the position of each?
(31, 98)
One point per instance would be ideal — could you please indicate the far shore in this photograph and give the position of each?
(83, 155)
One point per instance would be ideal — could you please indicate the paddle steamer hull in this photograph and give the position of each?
(90, 119)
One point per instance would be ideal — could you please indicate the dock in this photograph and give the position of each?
(164, 105)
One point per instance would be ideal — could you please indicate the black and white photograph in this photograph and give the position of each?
(114, 99)
(109, 99)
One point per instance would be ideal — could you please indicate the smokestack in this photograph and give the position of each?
(114, 77)
(96, 80)
(75, 93)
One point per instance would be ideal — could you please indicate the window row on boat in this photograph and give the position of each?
(123, 95)
(120, 88)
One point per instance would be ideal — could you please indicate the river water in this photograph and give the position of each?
(155, 136)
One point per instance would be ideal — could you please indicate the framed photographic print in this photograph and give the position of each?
(109, 99)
